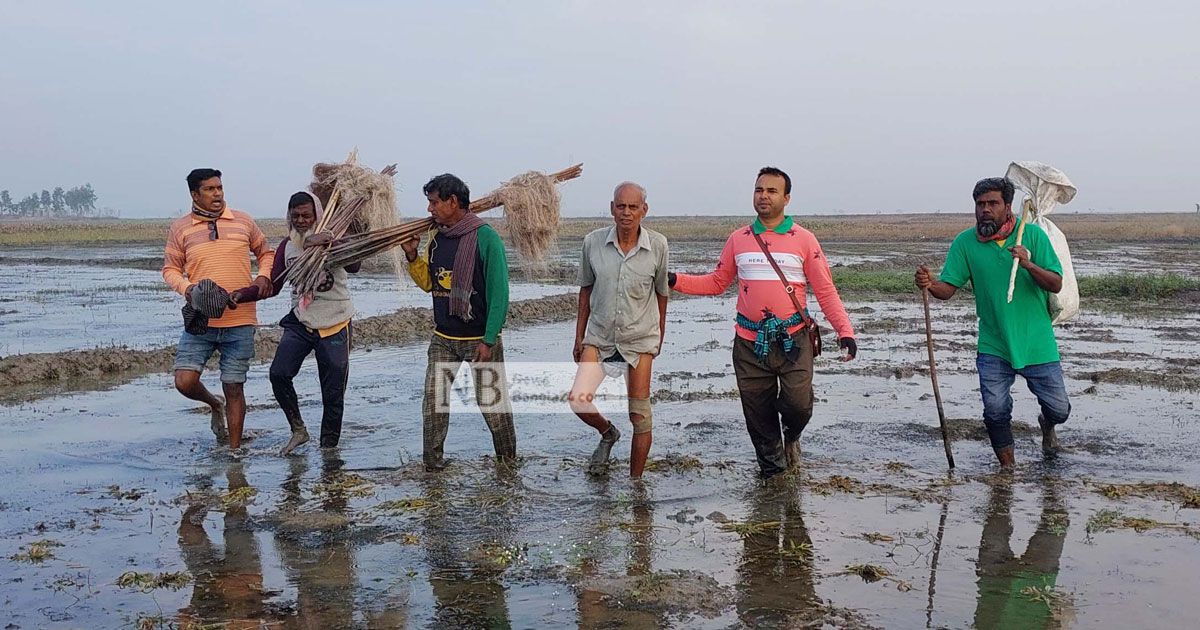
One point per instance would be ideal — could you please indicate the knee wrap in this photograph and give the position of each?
(641, 407)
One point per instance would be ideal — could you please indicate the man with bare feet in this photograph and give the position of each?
(206, 257)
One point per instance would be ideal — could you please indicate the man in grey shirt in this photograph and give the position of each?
(622, 316)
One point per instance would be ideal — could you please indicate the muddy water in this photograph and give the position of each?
(63, 307)
(128, 480)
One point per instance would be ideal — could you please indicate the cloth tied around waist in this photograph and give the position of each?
(772, 329)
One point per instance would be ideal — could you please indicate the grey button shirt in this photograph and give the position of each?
(624, 314)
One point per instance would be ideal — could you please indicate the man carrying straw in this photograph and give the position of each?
(1014, 337)
(318, 322)
(622, 316)
(205, 258)
(774, 260)
(465, 270)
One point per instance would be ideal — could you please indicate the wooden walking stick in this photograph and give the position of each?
(937, 394)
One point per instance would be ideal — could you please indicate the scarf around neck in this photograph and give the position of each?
(463, 274)
(207, 215)
(1001, 234)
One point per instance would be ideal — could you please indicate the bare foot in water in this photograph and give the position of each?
(298, 437)
(218, 421)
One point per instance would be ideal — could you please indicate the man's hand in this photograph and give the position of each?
(264, 285)
(318, 239)
(483, 353)
(577, 352)
(410, 248)
(850, 348)
(1020, 253)
(923, 278)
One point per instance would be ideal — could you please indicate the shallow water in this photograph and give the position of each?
(63, 307)
(129, 480)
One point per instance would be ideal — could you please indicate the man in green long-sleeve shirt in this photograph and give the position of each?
(464, 269)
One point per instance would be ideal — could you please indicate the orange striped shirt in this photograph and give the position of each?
(193, 255)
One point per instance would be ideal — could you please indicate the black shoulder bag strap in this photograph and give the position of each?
(814, 332)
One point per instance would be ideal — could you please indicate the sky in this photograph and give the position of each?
(871, 106)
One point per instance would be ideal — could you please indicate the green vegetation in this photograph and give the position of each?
(1128, 286)
(1137, 286)
(79, 201)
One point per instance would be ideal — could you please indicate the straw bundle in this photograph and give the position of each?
(530, 206)
(356, 199)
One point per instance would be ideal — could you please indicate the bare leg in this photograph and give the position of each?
(637, 385)
(188, 383)
(235, 412)
(587, 380)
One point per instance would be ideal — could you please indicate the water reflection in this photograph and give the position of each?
(469, 542)
(316, 554)
(1005, 580)
(595, 610)
(228, 580)
(775, 586)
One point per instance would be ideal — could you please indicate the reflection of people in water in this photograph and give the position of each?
(1002, 575)
(775, 576)
(320, 563)
(464, 544)
(594, 611)
(228, 582)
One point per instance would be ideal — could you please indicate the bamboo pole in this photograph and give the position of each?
(360, 246)
(1026, 211)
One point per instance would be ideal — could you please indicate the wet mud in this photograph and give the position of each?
(24, 377)
(127, 515)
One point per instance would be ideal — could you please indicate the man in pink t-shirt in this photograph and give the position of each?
(772, 356)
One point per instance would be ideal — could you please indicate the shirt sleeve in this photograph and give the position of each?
(587, 275)
(264, 254)
(173, 259)
(418, 270)
(820, 278)
(277, 268)
(661, 284)
(713, 283)
(956, 271)
(495, 281)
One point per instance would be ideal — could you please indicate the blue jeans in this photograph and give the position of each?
(996, 377)
(236, 345)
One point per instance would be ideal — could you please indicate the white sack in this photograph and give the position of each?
(1048, 187)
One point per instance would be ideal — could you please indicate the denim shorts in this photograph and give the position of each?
(236, 345)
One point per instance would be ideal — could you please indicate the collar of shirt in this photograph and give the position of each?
(782, 228)
(225, 214)
(643, 240)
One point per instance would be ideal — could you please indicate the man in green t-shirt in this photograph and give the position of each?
(1014, 337)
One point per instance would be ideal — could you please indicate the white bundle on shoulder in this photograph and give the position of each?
(1046, 188)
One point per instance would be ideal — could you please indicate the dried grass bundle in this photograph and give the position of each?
(356, 199)
(531, 209)
(531, 204)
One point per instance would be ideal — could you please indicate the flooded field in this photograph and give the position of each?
(121, 512)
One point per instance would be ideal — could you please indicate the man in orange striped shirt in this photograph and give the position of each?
(214, 242)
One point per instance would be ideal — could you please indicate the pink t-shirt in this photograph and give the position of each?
(760, 293)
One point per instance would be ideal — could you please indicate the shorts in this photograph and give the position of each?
(236, 345)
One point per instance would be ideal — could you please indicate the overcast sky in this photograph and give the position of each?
(871, 106)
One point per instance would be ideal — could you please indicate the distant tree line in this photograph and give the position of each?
(79, 201)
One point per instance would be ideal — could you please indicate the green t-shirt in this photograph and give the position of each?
(1019, 332)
